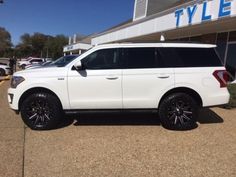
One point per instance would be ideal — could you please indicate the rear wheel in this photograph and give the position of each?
(178, 111)
(2, 72)
(41, 111)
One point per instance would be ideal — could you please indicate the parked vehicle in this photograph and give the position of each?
(22, 64)
(38, 65)
(173, 78)
(4, 69)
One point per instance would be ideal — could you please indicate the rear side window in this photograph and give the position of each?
(188, 57)
(135, 58)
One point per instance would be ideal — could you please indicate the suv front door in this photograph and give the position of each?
(98, 86)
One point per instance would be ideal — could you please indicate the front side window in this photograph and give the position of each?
(135, 58)
(63, 61)
(102, 59)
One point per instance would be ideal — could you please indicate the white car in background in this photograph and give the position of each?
(29, 61)
(38, 65)
(4, 69)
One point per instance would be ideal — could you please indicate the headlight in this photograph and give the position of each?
(16, 80)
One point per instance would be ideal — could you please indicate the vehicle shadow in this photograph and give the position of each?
(116, 119)
(206, 116)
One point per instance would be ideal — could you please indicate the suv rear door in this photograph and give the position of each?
(144, 82)
(194, 68)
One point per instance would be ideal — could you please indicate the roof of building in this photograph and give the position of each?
(130, 22)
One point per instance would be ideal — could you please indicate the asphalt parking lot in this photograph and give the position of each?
(122, 145)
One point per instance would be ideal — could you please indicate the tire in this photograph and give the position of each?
(41, 111)
(2, 72)
(178, 111)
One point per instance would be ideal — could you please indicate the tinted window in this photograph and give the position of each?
(36, 60)
(139, 58)
(63, 61)
(188, 57)
(102, 59)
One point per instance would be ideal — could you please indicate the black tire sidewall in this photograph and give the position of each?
(54, 104)
(163, 111)
(2, 72)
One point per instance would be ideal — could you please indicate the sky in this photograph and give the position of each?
(66, 17)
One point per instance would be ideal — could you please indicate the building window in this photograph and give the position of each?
(231, 59)
(140, 9)
(232, 36)
(222, 39)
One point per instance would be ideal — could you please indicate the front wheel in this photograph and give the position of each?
(2, 72)
(178, 111)
(41, 111)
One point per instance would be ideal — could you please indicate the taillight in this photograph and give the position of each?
(222, 77)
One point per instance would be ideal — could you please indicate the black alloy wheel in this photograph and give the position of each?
(178, 111)
(41, 111)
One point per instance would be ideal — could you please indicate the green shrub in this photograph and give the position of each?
(232, 91)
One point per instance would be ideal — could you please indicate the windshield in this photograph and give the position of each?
(63, 61)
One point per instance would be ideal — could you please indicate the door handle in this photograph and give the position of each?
(163, 76)
(112, 77)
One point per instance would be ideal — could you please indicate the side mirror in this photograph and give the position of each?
(78, 66)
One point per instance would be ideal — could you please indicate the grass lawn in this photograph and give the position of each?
(232, 90)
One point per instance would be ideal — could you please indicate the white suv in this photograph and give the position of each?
(175, 79)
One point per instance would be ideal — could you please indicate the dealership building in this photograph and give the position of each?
(208, 21)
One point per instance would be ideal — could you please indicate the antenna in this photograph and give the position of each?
(162, 38)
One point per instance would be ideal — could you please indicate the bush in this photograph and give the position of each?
(232, 91)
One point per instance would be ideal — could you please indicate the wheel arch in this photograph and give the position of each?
(186, 90)
(36, 90)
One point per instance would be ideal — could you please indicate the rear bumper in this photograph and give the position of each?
(217, 99)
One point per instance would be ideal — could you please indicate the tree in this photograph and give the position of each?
(5, 42)
(56, 45)
(41, 45)
(24, 48)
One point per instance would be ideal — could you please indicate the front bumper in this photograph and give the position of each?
(12, 99)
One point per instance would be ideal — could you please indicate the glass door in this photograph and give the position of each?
(231, 59)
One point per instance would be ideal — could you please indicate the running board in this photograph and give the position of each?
(92, 111)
